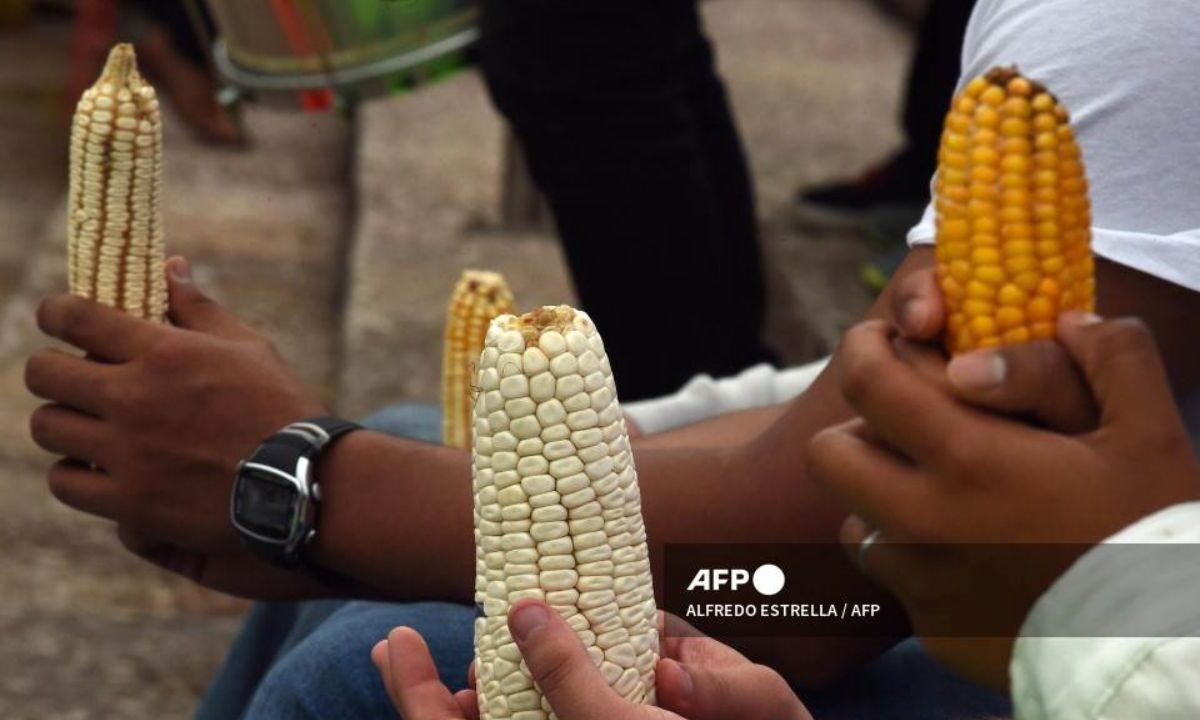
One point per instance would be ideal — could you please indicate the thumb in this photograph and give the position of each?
(916, 306)
(561, 667)
(1120, 360)
(191, 309)
(745, 691)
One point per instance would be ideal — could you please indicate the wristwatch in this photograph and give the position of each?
(276, 494)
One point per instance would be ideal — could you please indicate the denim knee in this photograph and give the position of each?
(329, 675)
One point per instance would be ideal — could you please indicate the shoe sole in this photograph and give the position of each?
(882, 224)
(823, 217)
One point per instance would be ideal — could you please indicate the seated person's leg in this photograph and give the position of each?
(628, 133)
(906, 683)
(275, 632)
(271, 629)
(329, 675)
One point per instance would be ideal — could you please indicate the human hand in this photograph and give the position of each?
(698, 678)
(1041, 382)
(152, 422)
(930, 475)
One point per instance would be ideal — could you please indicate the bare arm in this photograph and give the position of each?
(397, 515)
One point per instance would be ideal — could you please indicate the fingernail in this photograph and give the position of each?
(978, 371)
(181, 270)
(1079, 319)
(915, 314)
(527, 619)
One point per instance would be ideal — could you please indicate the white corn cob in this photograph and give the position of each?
(557, 509)
(478, 297)
(114, 227)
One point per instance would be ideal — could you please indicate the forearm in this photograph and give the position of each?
(397, 516)
(730, 430)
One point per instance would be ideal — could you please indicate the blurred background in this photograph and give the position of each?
(336, 220)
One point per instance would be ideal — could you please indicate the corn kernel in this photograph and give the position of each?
(990, 274)
(1010, 317)
(983, 326)
(1012, 295)
(1016, 336)
(977, 290)
(1042, 310)
(1042, 331)
(993, 96)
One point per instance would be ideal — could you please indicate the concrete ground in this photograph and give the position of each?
(342, 246)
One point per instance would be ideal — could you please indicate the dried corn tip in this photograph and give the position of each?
(115, 249)
(1013, 215)
(478, 297)
(557, 510)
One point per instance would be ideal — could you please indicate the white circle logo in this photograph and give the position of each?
(768, 579)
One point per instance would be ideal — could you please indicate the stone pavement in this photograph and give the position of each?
(342, 247)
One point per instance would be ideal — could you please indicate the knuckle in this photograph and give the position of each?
(170, 353)
(822, 454)
(757, 690)
(35, 373)
(50, 311)
(1122, 338)
(40, 422)
(1162, 441)
(921, 526)
(862, 363)
(73, 316)
(1031, 366)
(960, 459)
(57, 482)
(557, 670)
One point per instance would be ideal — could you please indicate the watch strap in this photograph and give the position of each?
(316, 433)
(305, 439)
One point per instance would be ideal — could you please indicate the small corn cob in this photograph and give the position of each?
(1013, 215)
(557, 509)
(478, 297)
(114, 226)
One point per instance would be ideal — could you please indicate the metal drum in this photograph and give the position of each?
(354, 48)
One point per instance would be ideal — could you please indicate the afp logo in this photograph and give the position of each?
(767, 579)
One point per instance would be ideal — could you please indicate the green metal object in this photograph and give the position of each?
(356, 47)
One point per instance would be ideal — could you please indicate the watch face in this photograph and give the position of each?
(266, 504)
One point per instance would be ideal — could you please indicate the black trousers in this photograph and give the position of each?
(628, 132)
(931, 81)
(173, 16)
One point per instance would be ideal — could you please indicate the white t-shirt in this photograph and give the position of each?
(1127, 70)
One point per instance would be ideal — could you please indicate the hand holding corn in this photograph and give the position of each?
(557, 510)
(1013, 216)
(697, 678)
(115, 252)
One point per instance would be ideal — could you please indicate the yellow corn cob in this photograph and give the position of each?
(557, 509)
(1013, 216)
(478, 297)
(114, 226)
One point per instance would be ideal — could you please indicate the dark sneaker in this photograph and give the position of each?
(888, 191)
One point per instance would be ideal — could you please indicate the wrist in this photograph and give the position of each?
(277, 494)
(329, 549)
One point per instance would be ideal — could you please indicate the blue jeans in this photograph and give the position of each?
(309, 661)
